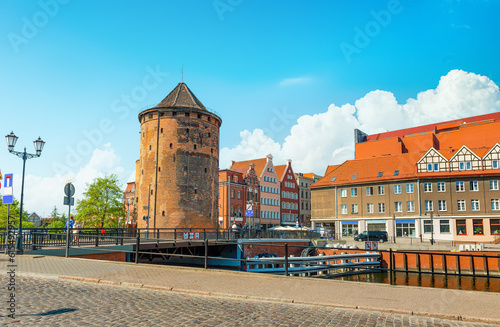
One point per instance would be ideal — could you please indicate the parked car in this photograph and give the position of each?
(380, 236)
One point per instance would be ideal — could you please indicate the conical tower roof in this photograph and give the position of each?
(181, 97)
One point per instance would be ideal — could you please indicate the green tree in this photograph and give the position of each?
(102, 204)
(56, 224)
(13, 214)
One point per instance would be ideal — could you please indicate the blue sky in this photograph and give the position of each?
(67, 67)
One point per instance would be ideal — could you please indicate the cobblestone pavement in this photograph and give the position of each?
(56, 302)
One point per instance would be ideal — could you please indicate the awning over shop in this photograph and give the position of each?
(377, 221)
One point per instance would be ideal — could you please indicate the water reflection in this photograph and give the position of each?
(483, 284)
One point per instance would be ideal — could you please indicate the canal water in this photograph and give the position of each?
(483, 284)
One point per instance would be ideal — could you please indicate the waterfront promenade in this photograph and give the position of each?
(60, 291)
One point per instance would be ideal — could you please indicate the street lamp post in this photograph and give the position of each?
(431, 213)
(11, 143)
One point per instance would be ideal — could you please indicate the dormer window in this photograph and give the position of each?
(432, 167)
(380, 173)
(465, 165)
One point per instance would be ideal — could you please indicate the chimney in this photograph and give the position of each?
(232, 163)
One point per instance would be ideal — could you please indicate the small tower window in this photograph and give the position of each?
(163, 213)
(142, 172)
(194, 146)
(174, 157)
(199, 116)
(205, 169)
(187, 130)
(171, 146)
(212, 150)
(162, 114)
(161, 130)
(151, 192)
(185, 168)
(195, 191)
(143, 134)
(150, 115)
(208, 118)
(208, 134)
(174, 114)
(159, 168)
(187, 114)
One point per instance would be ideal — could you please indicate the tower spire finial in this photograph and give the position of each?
(182, 73)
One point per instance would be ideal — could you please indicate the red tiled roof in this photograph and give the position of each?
(259, 165)
(431, 127)
(330, 168)
(280, 171)
(366, 170)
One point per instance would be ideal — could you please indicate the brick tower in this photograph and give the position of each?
(177, 173)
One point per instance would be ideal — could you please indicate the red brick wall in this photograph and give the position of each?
(184, 198)
(251, 250)
(116, 256)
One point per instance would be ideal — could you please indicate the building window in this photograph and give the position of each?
(495, 226)
(354, 192)
(427, 187)
(380, 173)
(474, 205)
(427, 226)
(343, 193)
(465, 165)
(460, 187)
(354, 208)
(232, 194)
(239, 194)
(369, 191)
(349, 229)
(405, 229)
(442, 205)
(398, 207)
(380, 190)
(444, 226)
(369, 207)
(494, 185)
(461, 227)
(381, 207)
(441, 187)
(409, 188)
(461, 205)
(474, 186)
(397, 189)
(478, 226)
(495, 204)
(432, 167)
(494, 164)
(428, 205)
(171, 145)
(343, 209)
(410, 206)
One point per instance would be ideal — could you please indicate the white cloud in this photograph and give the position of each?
(44, 193)
(328, 138)
(294, 81)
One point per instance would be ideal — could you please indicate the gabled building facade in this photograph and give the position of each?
(289, 191)
(268, 182)
(447, 191)
(304, 181)
(232, 198)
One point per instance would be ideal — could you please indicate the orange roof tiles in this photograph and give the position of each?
(259, 165)
(432, 127)
(280, 171)
(329, 169)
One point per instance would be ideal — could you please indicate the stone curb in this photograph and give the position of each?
(180, 290)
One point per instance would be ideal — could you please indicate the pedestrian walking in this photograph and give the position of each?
(76, 233)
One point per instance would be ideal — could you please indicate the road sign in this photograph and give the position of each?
(69, 189)
(249, 213)
(375, 246)
(368, 245)
(69, 201)
(8, 197)
(249, 206)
